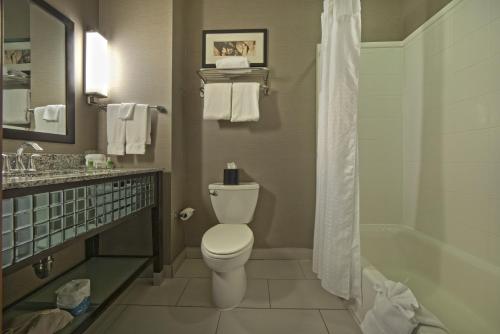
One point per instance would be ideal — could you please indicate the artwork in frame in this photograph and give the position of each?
(250, 43)
(17, 56)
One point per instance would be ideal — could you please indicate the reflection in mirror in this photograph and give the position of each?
(34, 70)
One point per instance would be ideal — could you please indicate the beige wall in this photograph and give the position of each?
(16, 26)
(382, 20)
(140, 38)
(416, 12)
(278, 151)
(84, 13)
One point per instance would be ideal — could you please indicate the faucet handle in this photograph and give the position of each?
(6, 167)
(31, 162)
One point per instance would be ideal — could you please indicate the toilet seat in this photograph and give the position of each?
(224, 240)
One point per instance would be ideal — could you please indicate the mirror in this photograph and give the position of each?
(38, 72)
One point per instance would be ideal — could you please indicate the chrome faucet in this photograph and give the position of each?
(20, 151)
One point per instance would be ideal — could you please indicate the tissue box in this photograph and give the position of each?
(231, 177)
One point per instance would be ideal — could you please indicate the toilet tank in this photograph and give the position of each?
(234, 204)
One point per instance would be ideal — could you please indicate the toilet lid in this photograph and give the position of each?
(224, 239)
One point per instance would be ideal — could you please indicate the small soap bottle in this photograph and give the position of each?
(110, 164)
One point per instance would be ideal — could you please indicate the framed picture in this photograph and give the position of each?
(250, 43)
(17, 56)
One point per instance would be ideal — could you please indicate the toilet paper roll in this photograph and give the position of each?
(186, 214)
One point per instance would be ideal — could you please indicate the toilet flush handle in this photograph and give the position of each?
(213, 193)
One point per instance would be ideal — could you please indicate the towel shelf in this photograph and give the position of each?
(251, 74)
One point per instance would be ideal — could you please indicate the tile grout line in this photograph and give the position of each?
(268, 293)
(183, 291)
(218, 322)
(324, 322)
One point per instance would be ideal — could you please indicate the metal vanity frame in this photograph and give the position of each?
(91, 238)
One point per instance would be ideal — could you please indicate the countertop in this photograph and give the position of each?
(66, 176)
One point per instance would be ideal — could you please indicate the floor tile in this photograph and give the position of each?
(198, 292)
(253, 321)
(340, 322)
(306, 294)
(257, 295)
(162, 319)
(106, 320)
(143, 292)
(274, 269)
(306, 266)
(193, 268)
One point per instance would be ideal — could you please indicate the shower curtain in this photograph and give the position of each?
(336, 257)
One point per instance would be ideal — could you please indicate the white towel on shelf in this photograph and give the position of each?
(115, 130)
(53, 111)
(393, 311)
(245, 102)
(138, 130)
(217, 101)
(126, 111)
(42, 125)
(232, 62)
(16, 103)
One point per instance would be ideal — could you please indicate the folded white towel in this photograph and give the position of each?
(55, 127)
(16, 103)
(52, 112)
(138, 130)
(126, 111)
(232, 62)
(217, 101)
(393, 310)
(245, 103)
(115, 130)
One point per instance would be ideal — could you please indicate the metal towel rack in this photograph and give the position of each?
(251, 74)
(92, 100)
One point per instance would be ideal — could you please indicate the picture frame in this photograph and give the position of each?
(17, 55)
(251, 43)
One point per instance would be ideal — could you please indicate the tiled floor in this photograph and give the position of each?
(283, 297)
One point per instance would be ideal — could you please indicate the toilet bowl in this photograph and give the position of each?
(227, 246)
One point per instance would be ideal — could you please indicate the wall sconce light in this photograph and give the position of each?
(96, 67)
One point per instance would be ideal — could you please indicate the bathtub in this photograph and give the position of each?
(461, 290)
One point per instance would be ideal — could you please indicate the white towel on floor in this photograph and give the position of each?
(393, 310)
(52, 112)
(42, 125)
(127, 111)
(138, 130)
(232, 62)
(115, 130)
(245, 102)
(217, 101)
(16, 103)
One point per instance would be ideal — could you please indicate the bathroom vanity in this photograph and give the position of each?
(49, 211)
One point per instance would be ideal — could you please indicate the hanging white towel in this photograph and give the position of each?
(52, 112)
(217, 101)
(393, 311)
(16, 103)
(245, 102)
(55, 127)
(127, 111)
(232, 62)
(115, 130)
(138, 130)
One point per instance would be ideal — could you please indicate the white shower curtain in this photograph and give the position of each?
(336, 257)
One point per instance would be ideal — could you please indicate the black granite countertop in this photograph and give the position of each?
(70, 175)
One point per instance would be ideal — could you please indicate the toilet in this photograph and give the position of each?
(226, 247)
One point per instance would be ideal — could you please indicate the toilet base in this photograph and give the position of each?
(229, 288)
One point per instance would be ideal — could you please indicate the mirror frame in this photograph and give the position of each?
(69, 137)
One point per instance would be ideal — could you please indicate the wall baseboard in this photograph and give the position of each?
(261, 253)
